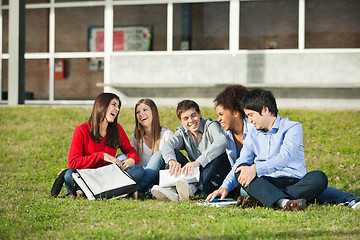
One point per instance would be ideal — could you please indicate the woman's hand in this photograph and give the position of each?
(127, 164)
(111, 159)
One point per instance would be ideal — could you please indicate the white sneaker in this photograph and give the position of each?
(165, 194)
(355, 203)
(185, 190)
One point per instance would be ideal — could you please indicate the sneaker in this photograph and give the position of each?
(185, 190)
(355, 203)
(295, 205)
(164, 194)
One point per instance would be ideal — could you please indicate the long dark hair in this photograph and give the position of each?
(139, 131)
(98, 115)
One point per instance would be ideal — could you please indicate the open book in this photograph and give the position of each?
(165, 180)
(219, 203)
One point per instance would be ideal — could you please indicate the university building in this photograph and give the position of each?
(173, 49)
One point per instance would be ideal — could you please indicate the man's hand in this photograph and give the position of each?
(174, 168)
(188, 169)
(221, 191)
(248, 173)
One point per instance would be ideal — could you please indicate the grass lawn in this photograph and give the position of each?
(34, 144)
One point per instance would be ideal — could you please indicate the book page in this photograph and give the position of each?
(165, 180)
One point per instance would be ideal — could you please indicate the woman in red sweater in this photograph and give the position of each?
(96, 142)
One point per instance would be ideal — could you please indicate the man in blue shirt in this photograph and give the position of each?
(272, 163)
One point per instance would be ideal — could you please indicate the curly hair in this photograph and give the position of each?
(230, 98)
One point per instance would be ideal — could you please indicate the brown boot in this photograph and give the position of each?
(247, 202)
(295, 205)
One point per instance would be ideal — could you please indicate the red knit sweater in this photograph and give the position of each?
(84, 153)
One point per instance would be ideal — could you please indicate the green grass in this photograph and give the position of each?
(34, 144)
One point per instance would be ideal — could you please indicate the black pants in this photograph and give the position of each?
(212, 175)
(269, 190)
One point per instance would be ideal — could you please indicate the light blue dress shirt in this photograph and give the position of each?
(277, 153)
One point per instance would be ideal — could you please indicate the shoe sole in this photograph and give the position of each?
(162, 196)
(183, 191)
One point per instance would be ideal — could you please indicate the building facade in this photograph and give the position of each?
(76, 49)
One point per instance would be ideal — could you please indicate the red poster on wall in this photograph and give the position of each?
(124, 39)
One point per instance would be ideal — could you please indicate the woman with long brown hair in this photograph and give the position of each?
(96, 142)
(147, 139)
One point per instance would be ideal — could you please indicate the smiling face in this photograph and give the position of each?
(226, 117)
(144, 115)
(112, 110)
(191, 120)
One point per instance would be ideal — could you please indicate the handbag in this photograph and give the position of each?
(59, 181)
(108, 182)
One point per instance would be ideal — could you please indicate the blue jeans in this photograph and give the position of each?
(332, 195)
(70, 185)
(212, 175)
(136, 172)
(151, 172)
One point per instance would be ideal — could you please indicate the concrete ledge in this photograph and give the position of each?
(333, 91)
(248, 85)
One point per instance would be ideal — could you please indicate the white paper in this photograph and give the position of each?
(165, 180)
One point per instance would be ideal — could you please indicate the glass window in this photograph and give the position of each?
(201, 26)
(72, 27)
(4, 80)
(138, 25)
(5, 32)
(77, 0)
(37, 38)
(332, 24)
(269, 24)
(36, 79)
(6, 2)
(75, 79)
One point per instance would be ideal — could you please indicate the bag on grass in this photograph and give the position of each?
(59, 181)
(109, 182)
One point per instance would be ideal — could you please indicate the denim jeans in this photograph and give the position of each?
(136, 172)
(332, 195)
(151, 172)
(70, 185)
(212, 175)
